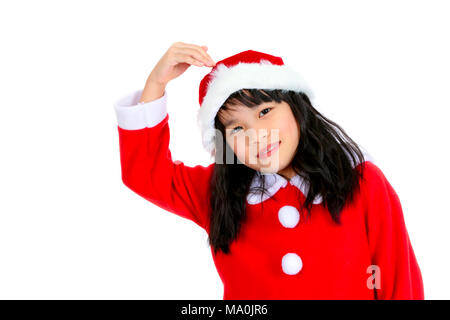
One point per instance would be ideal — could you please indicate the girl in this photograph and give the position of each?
(292, 206)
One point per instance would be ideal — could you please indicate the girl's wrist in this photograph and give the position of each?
(152, 91)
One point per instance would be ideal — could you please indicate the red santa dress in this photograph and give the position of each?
(277, 255)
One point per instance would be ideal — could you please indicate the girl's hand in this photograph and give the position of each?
(178, 58)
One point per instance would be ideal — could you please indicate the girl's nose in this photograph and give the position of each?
(260, 135)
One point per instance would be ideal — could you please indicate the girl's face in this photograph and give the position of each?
(251, 131)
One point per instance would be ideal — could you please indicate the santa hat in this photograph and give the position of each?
(245, 70)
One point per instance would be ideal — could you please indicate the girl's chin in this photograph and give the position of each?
(271, 167)
(270, 162)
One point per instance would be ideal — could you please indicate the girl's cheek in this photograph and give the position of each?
(242, 150)
(237, 146)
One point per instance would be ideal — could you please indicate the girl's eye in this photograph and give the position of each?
(266, 109)
(232, 131)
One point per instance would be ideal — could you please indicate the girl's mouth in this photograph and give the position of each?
(272, 148)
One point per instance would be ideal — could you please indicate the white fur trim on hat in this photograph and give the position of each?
(227, 80)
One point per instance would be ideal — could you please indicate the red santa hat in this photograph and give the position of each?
(245, 70)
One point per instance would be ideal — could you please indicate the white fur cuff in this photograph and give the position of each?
(132, 115)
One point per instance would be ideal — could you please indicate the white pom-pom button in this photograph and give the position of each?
(288, 216)
(291, 263)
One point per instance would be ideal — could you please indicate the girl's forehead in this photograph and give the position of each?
(231, 110)
(235, 112)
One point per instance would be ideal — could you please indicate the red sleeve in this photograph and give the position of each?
(147, 166)
(389, 242)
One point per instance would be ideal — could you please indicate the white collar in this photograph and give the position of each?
(275, 182)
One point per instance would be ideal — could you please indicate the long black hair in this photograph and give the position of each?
(323, 159)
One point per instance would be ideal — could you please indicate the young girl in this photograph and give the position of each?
(292, 206)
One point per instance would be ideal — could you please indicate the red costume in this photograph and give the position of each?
(277, 255)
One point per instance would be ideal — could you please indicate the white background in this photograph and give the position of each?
(69, 228)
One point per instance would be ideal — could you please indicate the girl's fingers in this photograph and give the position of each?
(202, 55)
(193, 61)
(209, 57)
(196, 55)
(180, 56)
(198, 52)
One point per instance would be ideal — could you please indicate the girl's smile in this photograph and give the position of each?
(267, 152)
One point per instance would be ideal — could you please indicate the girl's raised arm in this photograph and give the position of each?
(144, 135)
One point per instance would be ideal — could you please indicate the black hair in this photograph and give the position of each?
(323, 159)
